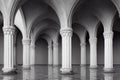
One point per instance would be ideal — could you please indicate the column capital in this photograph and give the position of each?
(108, 34)
(66, 32)
(9, 31)
(55, 44)
(93, 40)
(26, 41)
(83, 44)
(49, 45)
(32, 46)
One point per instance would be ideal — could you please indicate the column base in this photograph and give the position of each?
(26, 67)
(9, 71)
(93, 67)
(66, 71)
(109, 70)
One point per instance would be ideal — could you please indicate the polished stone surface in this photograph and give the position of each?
(53, 73)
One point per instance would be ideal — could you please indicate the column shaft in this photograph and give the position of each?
(26, 54)
(66, 51)
(93, 52)
(55, 54)
(108, 54)
(83, 54)
(8, 50)
(50, 53)
(32, 54)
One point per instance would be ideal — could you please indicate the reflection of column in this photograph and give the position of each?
(26, 54)
(56, 73)
(66, 51)
(8, 50)
(93, 52)
(8, 77)
(32, 73)
(55, 53)
(93, 74)
(50, 72)
(83, 54)
(108, 76)
(83, 72)
(108, 63)
(32, 54)
(65, 77)
(26, 75)
(50, 53)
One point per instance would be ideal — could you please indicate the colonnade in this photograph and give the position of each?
(29, 51)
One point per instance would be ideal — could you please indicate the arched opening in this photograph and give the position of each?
(116, 40)
(100, 45)
(75, 50)
(87, 49)
(1, 44)
(41, 55)
(60, 49)
(19, 47)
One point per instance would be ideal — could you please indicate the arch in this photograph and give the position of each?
(44, 21)
(20, 22)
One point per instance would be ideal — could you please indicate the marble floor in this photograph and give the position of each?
(53, 73)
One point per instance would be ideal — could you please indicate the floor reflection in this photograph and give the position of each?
(83, 73)
(93, 74)
(53, 73)
(108, 76)
(5, 77)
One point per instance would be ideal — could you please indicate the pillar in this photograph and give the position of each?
(55, 53)
(66, 51)
(50, 53)
(83, 54)
(32, 54)
(108, 51)
(26, 54)
(93, 52)
(8, 50)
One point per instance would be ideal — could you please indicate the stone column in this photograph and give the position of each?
(8, 50)
(66, 51)
(93, 52)
(83, 54)
(50, 53)
(32, 54)
(108, 51)
(55, 53)
(26, 54)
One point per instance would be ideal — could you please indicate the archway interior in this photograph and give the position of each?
(19, 47)
(41, 52)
